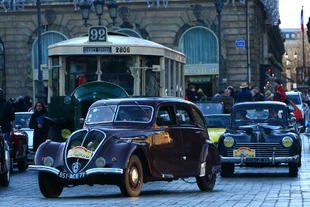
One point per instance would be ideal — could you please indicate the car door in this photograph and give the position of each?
(194, 135)
(166, 142)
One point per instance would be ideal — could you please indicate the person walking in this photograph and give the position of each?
(245, 93)
(37, 123)
(7, 116)
(279, 91)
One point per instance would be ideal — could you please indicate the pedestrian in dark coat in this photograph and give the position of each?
(245, 93)
(37, 123)
(7, 116)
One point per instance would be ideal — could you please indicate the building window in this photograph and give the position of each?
(47, 38)
(199, 44)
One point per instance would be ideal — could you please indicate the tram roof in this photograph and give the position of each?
(115, 45)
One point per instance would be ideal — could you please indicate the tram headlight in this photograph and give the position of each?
(287, 142)
(228, 142)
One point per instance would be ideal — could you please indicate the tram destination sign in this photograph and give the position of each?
(100, 50)
(97, 34)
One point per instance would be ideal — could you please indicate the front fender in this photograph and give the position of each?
(52, 149)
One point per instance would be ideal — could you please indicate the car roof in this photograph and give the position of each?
(141, 100)
(260, 103)
(292, 93)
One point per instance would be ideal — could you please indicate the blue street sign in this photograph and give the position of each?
(240, 43)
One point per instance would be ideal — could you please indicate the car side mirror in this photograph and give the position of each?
(18, 127)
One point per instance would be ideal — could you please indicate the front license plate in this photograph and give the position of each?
(257, 159)
(72, 176)
(244, 152)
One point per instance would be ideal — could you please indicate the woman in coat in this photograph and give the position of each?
(36, 123)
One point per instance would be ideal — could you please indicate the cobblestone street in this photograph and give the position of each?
(249, 187)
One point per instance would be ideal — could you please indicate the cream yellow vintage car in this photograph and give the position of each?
(216, 124)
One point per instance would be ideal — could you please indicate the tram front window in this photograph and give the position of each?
(82, 69)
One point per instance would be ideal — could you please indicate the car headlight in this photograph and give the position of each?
(48, 161)
(228, 142)
(287, 142)
(100, 162)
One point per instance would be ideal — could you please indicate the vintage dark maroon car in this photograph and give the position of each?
(126, 142)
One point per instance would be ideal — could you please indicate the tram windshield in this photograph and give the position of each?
(114, 69)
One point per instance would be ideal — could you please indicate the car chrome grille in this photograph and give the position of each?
(82, 141)
(262, 149)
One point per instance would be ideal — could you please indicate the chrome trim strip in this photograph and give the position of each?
(104, 170)
(292, 159)
(44, 168)
(88, 172)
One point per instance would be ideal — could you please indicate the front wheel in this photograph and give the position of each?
(207, 182)
(5, 177)
(132, 179)
(49, 185)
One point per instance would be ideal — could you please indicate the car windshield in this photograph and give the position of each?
(22, 120)
(101, 114)
(294, 98)
(123, 113)
(217, 121)
(259, 114)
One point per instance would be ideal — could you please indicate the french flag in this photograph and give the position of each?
(302, 20)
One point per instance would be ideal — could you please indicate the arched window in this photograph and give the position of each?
(47, 38)
(130, 32)
(200, 45)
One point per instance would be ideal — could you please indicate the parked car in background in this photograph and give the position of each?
(296, 111)
(22, 123)
(216, 124)
(211, 107)
(19, 149)
(126, 142)
(296, 97)
(260, 134)
(4, 162)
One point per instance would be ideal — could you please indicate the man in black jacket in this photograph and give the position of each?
(7, 116)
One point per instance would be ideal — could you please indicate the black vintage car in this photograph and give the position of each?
(4, 162)
(260, 134)
(126, 142)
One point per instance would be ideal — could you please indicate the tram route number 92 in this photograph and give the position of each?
(97, 34)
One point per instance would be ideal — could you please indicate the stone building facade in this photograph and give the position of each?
(249, 38)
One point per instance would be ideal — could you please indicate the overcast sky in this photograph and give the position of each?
(290, 13)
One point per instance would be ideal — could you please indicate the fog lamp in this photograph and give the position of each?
(228, 142)
(287, 142)
(100, 162)
(48, 161)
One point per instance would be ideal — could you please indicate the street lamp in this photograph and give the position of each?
(112, 7)
(40, 94)
(98, 4)
(85, 6)
(219, 6)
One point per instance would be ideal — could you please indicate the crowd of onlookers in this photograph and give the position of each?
(244, 93)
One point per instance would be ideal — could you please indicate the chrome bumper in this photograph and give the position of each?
(92, 171)
(269, 160)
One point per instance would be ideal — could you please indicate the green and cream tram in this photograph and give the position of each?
(141, 67)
